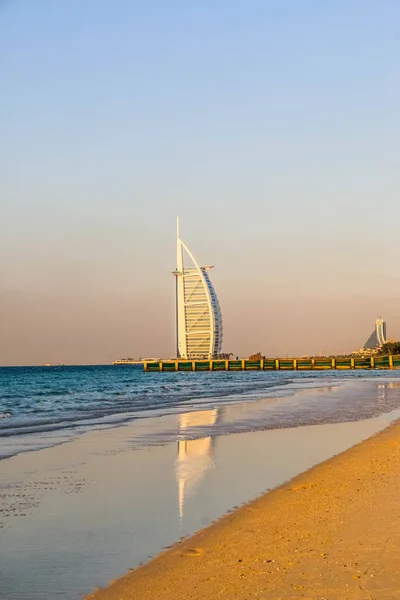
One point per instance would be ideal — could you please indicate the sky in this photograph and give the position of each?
(271, 127)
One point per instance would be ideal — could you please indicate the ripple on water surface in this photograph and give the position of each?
(43, 406)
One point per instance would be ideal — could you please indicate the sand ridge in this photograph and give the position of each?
(332, 533)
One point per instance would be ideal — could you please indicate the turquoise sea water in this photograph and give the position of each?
(41, 406)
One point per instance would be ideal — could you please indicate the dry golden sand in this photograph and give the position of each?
(332, 533)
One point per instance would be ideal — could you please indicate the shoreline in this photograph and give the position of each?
(48, 430)
(330, 532)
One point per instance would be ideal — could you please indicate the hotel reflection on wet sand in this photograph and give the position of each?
(194, 457)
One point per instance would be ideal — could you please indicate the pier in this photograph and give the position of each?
(275, 364)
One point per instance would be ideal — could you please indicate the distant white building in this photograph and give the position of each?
(377, 337)
(198, 315)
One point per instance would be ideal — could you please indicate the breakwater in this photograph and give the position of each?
(275, 364)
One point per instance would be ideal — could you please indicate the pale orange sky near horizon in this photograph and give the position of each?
(104, 307)
(272, 130)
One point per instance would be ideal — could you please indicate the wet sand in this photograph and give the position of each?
(332, 533)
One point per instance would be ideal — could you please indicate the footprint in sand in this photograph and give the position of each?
(193, 552)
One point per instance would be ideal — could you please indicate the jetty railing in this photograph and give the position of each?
(275, 364)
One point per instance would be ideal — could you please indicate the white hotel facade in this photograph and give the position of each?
(198, 314)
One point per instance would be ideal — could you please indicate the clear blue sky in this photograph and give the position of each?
(271, 127)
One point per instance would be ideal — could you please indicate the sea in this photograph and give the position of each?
(102, 467)
(41, 406)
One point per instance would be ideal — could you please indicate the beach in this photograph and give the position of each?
(330, 533)
(84, 502)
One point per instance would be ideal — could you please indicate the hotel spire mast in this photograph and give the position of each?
(181, 349)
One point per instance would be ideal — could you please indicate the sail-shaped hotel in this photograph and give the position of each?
(198, 315)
